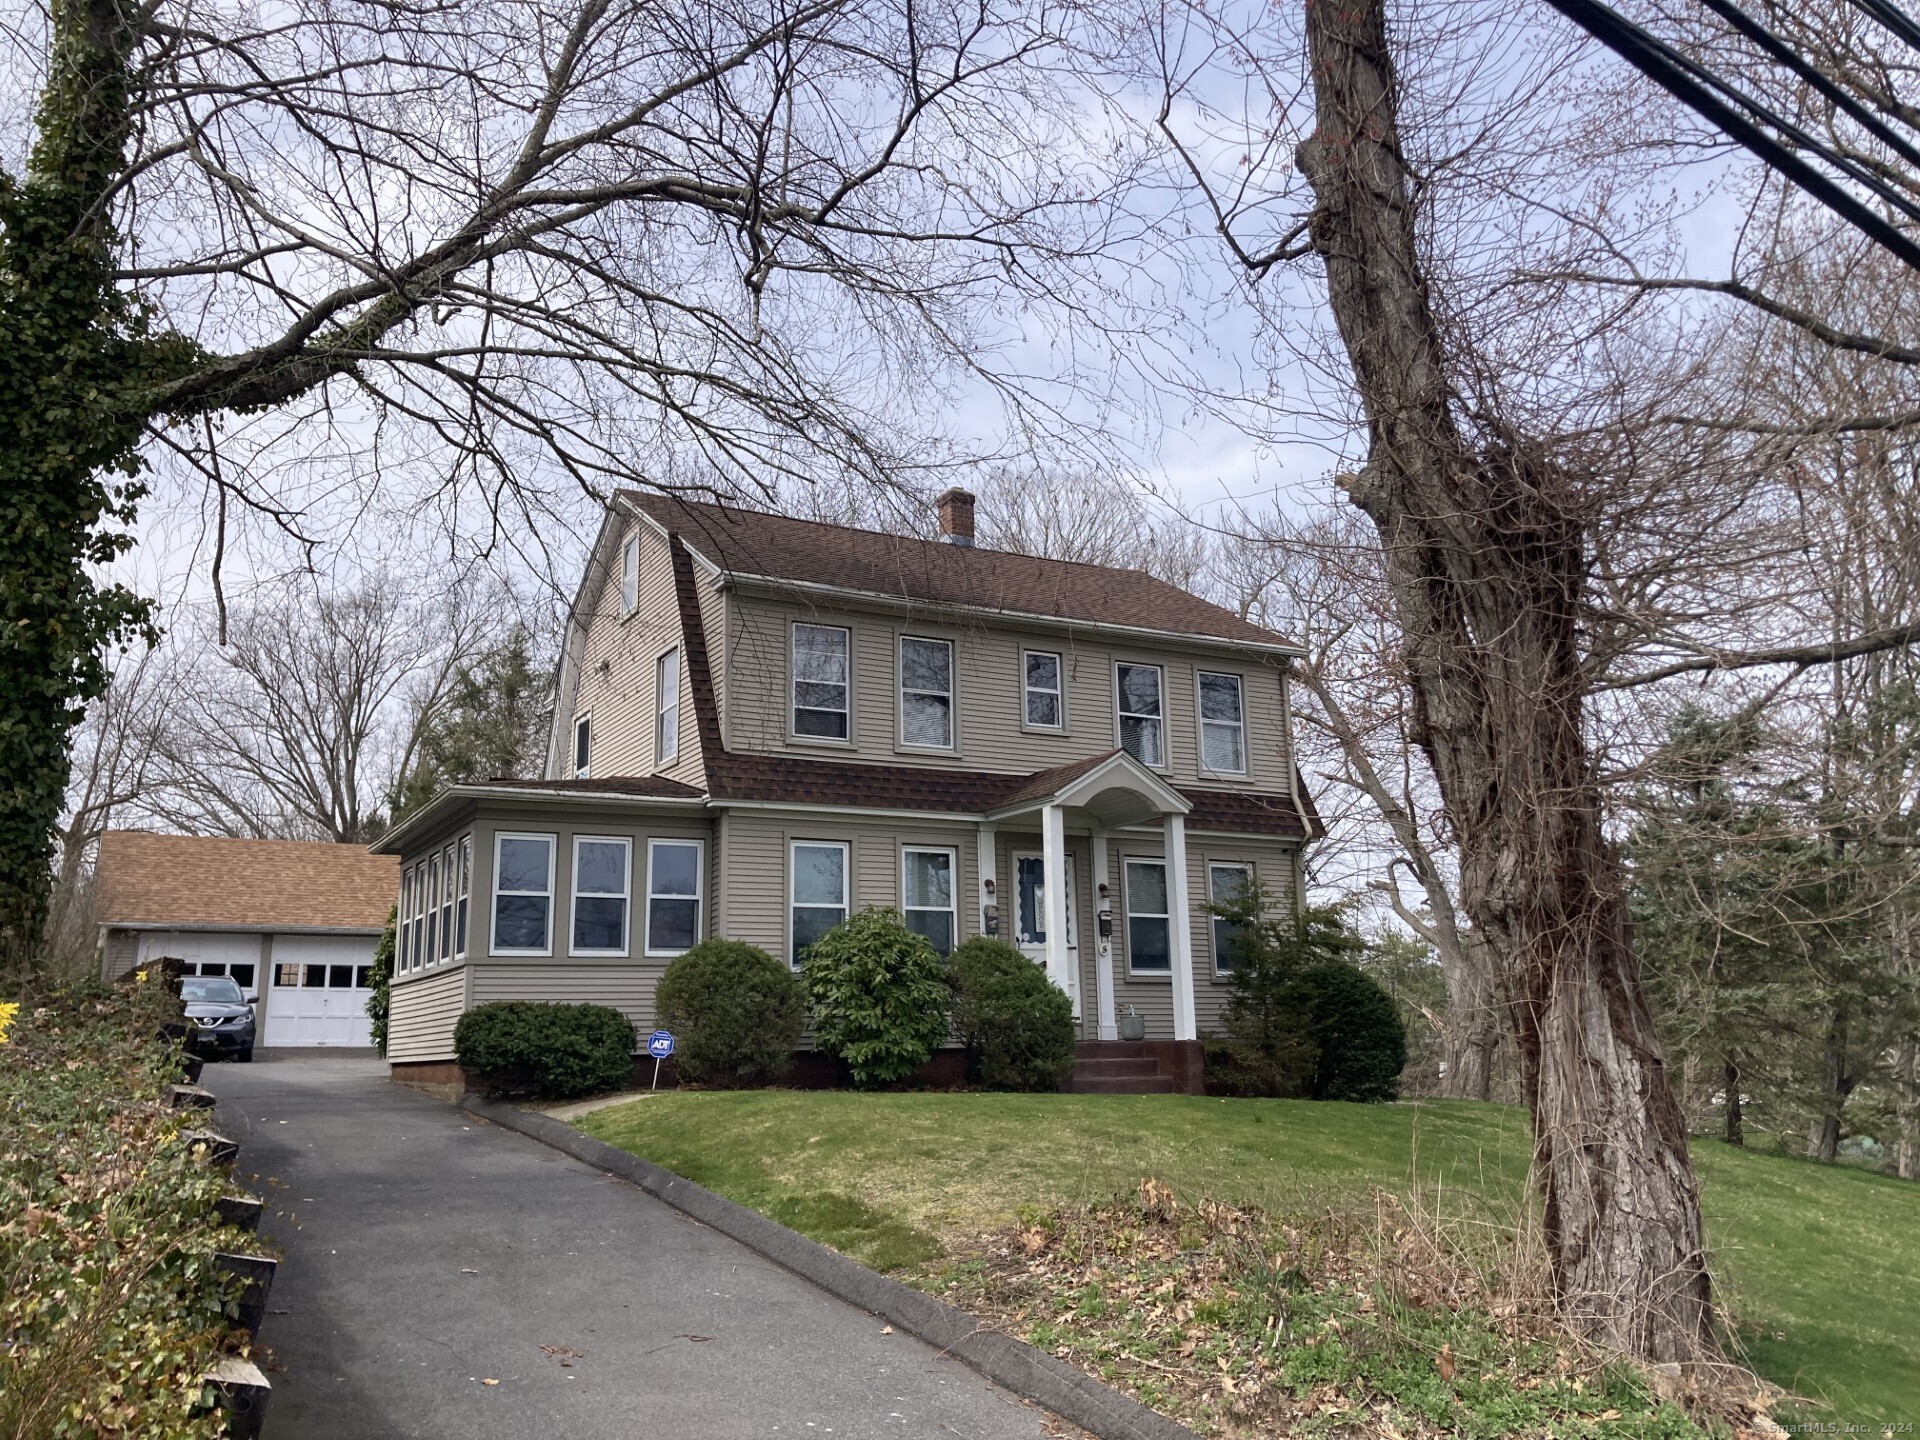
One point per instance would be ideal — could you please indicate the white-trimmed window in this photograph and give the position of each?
(821, 684)
(460, 907)
(1227, 882)
(927, 895)
(674, 870)
(601, 865)
(818, 899)
(582, 746)
(1139, 693)
(666, 708)
(630, 575)
(447, 887)
(402, 948)
(523, 894)
(1043, 696)
(1149, 921)
(926, 692)
(1223, 724)
(417, 925)
(430, 912)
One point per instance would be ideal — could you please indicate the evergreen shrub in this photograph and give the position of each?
(736, 1013)
(557, 1052)
(1017, 1024)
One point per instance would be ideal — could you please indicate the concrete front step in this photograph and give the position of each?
(1120, 1085)
(1117, 1069)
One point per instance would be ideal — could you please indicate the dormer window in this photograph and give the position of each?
(630, 575)
(820, 681)
(582, 746)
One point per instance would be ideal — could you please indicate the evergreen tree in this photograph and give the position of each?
(489, 726)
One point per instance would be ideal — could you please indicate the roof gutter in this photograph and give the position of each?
(774, 584)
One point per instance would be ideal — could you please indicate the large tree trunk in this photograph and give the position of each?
(1823, 1136)
(1485, 557)
(1473, 1020)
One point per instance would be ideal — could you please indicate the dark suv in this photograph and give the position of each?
(222, 1019)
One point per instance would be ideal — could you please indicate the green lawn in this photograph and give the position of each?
(1821, 1265)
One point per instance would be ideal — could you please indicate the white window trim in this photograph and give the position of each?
(493, 906)
(952, 909)
(662, 756)
(630, 573)
(1060, 679)
(1166, 738)
(402, 954)
(584, 720)
(418, 927)
(443, 917)
(1201, 723)
(846, 888)
(900, 693)
(1128, 912)
(463, 932)
(843, 742)
(625, 842)
(1214, 921)
(699, 896)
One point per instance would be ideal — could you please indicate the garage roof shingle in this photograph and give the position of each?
(195, 880)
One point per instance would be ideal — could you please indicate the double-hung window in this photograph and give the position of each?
(821, 668)
(666, 708)
(1044, 697)
(1228, 882)
(1149, 921)
(926, 692)
(1223, 724)
(582, 746)
(600, 867)
(447, 887)
(673, 896)
(1142, 713)
(819, 899)
(460, 907)
(926, 894)
(523, 894)
(630, 575)
(402, 949)
(417, 938)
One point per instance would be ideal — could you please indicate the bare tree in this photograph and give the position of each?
(308, 719)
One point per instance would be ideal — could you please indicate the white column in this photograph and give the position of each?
(989, 858)
(1103, 955)
(1184, 1025)
(1053, 845)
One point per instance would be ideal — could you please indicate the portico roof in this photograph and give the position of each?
(1111, 789)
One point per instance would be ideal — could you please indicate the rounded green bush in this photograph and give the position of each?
(736, 1013)
(879, 997)
(1017, 1024)
(552, 1050)
(1361, 1039)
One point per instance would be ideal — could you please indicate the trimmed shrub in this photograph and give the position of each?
(1017, 1024)
(736, 1013)
(1357, 1029)
(879, 997)
(556, 1051)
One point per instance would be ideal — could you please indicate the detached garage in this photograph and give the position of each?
(294, 924)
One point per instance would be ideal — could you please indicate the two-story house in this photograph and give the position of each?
(763, 725)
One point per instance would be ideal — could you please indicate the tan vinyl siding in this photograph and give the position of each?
(121, 950)
(627, 988)
(751, 670)
(424, 1012)
(617, 675)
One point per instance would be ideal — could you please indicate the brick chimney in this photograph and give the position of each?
(956, 517)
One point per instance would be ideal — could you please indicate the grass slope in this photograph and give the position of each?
(1822, 1265)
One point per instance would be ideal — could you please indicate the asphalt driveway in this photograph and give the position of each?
(449, 1280)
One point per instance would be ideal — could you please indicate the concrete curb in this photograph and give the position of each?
(1009, 1363)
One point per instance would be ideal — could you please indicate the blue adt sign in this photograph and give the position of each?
(660, 1044)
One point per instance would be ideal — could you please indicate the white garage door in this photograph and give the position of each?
(319, 990)
(208, 952)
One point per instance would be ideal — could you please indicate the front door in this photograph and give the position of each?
(1030, 918)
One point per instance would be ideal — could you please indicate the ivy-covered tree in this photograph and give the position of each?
(637, 242)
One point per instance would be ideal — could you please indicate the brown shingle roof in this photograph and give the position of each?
(810, 781)
(751, 542)
(191, 880)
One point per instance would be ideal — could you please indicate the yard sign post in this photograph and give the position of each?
(660, 1046)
